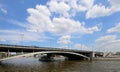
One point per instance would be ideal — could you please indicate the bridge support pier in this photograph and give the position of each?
(92, 55)
(8, 53)
(22, 52)
(48, 57)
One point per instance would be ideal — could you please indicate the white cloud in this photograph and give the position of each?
(65, 26)
(21, 24)
(69, 8)
(3, 10)
(81, 5)
(107, 38)
(2, 40)
(114, 29)
(115, 4)
(64, 40)
(59, 7)
(99, 10)
(91, 30)
(82, 47)
(40, 21)
(21, 36)
(108, 43)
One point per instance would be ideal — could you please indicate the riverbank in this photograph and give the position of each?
(106, 59)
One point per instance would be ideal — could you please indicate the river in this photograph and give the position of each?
(33, 65)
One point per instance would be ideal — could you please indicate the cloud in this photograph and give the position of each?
(21, 24)
(114, 29)
(68, 8)
(115, 4)
(82, 47)
(40, 21)
(108, 43)
(56, 17)
(2, 40)
(99, 10)
(21, 36)
(3, 10)
(64, 26)
(107, 38)
(91, 30)
(64, 40)
(81, 5)
(59, 7)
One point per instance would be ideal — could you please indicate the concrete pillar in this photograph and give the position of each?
(47, 57)
(22, 52)
(33, 51)
(8, 53)
(92, 55)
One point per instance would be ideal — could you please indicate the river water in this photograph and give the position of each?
(33, 65)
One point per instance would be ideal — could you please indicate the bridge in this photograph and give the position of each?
(32, 50)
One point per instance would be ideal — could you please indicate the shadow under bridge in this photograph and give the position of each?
(69, 55)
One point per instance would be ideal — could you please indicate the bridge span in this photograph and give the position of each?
(31, 50)
(70, 55)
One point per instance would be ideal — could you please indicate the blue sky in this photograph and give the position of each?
(72, 24)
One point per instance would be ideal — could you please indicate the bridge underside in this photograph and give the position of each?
(69, 55)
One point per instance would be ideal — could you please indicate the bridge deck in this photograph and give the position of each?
(18, 48)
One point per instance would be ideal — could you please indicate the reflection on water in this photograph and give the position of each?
(33, 65)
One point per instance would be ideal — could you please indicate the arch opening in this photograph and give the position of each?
(69, 55)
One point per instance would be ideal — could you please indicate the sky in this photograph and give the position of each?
(70, 24)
